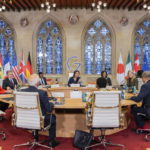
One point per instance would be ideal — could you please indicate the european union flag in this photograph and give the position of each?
(145, 63)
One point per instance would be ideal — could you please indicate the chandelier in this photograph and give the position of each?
(99, 5)
(47, 5)
(2, 6)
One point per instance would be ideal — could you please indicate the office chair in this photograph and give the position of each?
(28, 115)
(105, 114)
(2, 132)
(139, 131)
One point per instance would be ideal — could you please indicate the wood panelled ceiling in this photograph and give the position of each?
(23, 5)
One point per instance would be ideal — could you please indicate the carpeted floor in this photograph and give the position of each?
(130, 139)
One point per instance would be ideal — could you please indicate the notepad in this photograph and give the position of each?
(54, 85)
(75, 94)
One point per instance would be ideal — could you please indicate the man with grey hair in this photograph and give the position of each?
(46, 107)
(143, 112)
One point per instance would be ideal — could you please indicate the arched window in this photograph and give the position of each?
(49, 49)
(142, 41)
(6, 42)
(97, 48)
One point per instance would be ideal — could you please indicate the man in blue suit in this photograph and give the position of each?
(140, 113)
(46, 108)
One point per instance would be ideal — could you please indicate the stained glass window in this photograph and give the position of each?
(49, 49)
(97, 48)
(6, 42)
(142, 42)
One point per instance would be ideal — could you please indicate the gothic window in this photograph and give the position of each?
(142, 41)
(49, 49)
(97, 48)
(6, 42)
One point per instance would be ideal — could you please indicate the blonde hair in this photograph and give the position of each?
(33, 79)
(130, 71)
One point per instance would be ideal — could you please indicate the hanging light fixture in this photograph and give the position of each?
(99, 5)
(147, 7)
(2, 6)
(47, 5)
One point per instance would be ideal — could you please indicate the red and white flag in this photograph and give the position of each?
(120, 71)
(15, 69)
(137, 63)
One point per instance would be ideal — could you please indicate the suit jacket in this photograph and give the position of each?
(8, 83)
(46, 106)
(72, 81)
(144, 95)
(44, 80)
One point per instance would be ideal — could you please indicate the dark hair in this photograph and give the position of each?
(103, 73)
(75, 72)
(139, 74)
(101, 82)
(40, 73)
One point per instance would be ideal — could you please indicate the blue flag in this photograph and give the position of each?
(6, 65)
(145, 63)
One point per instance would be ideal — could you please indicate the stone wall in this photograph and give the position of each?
(122, 36)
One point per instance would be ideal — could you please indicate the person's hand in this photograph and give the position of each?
(8, 88)
(79, 81)
(9, 91)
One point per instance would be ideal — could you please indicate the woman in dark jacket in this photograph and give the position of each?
(75, 79)
(104, 75)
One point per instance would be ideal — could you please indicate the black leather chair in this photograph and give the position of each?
(147, 131)
(2, 132)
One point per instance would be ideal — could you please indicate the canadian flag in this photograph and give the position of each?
(120, 71)
(137, 63)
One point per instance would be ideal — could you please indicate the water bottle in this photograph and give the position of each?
(84, 97)
(57, 82)
(134, 90)
(81, 84)
(125, 87)
(122, 94)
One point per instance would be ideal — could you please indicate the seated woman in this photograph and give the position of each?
(101, 82)
(105, 75)
(132, 80)
(75, 79)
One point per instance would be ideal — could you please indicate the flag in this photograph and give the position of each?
(137, 63)
(29, 67)
(128, 66)
(6, 65)
(1, 68)
(22, 71)
(120, 71)
(15, 69)
(145, 63)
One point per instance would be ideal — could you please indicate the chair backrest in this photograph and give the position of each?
(106, 109)
(27, 110)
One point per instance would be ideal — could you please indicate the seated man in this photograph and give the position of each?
(42, 79)
(101, 82)
(10, 82)
(144, 95)
(46, 107)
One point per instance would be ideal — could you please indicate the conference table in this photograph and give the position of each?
(71, 115)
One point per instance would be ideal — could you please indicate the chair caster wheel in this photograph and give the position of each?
(138, 131)
(3, 138)
(146, 139)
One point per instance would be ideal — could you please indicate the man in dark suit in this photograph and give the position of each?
(42, 79)
(140, 113)
(10, 82)
(46, 107)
